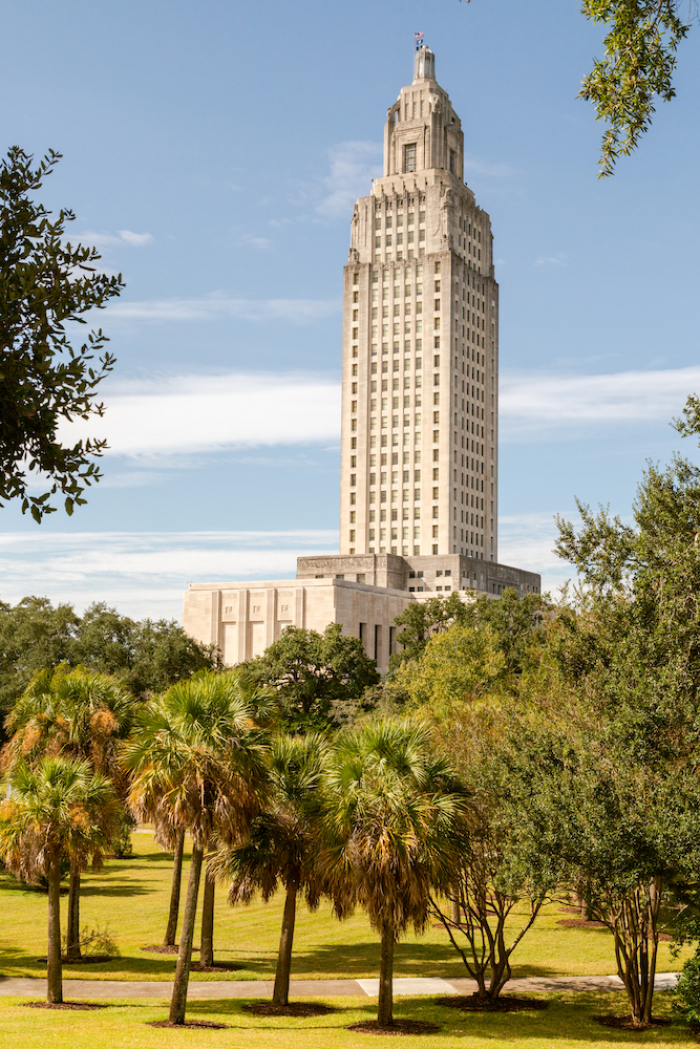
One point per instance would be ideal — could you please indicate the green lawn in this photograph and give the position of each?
(566, 1024)
(131, 897)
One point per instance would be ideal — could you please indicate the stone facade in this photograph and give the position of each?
(419, 445)
(242, 619)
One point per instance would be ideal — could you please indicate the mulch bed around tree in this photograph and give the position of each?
(580, 923)
(195, 1025)
(164, 948)
(293, 1009)
(399, 1027)
(624, 1023)
(217, 967)
(506, 1003)
(65, 1005)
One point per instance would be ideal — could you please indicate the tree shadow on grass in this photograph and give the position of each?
(411, 959)
(569, 1020)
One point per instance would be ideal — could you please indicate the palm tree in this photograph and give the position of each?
(55, 811)
(282, 847)
(198, 763)
(390, 809)
(79, 714)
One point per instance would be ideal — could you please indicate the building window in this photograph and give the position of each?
(409, 157)
(452, 161)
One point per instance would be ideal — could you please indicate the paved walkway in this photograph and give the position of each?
(309, 988)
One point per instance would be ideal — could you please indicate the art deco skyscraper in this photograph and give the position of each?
(419, 447)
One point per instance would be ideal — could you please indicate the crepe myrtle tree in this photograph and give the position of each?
(47, 285)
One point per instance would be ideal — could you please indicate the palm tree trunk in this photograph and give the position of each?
(280, 995)
(54, 970)
(73, 952)
(385, 1007)
(171, 930)
(178, 1002)
(206, 949)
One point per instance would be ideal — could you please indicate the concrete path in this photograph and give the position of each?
(76, 989)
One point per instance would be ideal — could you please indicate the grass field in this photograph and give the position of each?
(567, 1024)
(131, 898)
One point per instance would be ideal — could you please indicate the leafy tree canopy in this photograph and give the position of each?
(46, 285)
(637, 69)
(145, 656)
(318, 679)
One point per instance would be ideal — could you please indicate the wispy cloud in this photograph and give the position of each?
(145, 573)
(536, 406)
(123, 236)
(192, 413)
(551, 260)
(211, 307)
(261, 243)
(527, 541)
(353, 166)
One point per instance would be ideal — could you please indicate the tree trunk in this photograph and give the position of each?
(385, 1005)
(280, 995)
(456, 909)
(171, 930)
(178, 1002)
(206, 949)
(73, 952)
(54, 970)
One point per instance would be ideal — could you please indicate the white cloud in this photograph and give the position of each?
(138, 240)
(537, 406)
(353, 166)
(527, 541)
(123, 236)
(211, 307)
(194, 413)
(551, 260)
(145, 573)
(262, 243)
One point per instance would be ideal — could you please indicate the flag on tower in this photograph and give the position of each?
(419, 40)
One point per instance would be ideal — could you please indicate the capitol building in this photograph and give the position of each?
(419, 433)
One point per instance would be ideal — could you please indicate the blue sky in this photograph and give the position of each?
(213, 152)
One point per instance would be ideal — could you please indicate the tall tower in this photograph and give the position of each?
(419, 444)
(419, 448)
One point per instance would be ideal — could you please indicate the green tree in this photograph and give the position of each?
(391, 807)
(495, 896)
(146, 656)
(198, 764)
(608, 777)
(60, 810)
(149, 656)
(420, 621)
(33, 636)
(457, 664)
(317, 680)
(640, 54)
(79, 715)
(616, 825)
(46, 285)
(282, 847)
